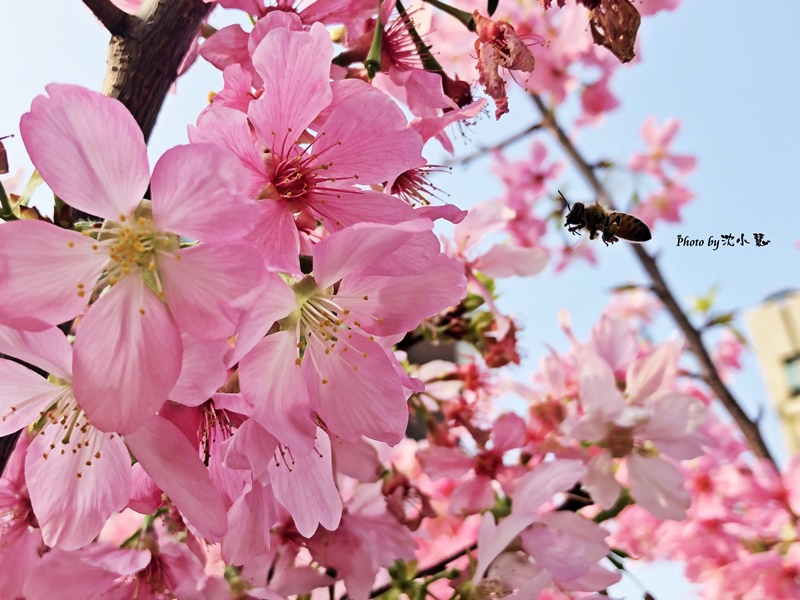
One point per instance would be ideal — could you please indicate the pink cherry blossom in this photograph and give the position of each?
(102, 570)
(368, 539)
(474, 493)
(651, 417)
(664, 204)
(370, 283)
(91, 152)
(77, 475)
(292, 172)
(564, 548)
(21, 543)
(659, 139)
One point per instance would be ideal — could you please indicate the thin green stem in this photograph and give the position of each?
(463, 16)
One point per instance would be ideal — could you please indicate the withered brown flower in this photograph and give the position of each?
(614, 24)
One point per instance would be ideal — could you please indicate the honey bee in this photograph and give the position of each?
(612, 224)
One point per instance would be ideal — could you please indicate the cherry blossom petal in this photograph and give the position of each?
(595, 579)
(205, 284)
(129, 6)
(293, 65)
(599, 480)
(203, 370)
(305, 487)
(357, 389)
(122, 375)
(275, 300)
(226, 47)
(502, 260)
(76, 485)
(471, 496)
(509, 432)
(675, 426)
(347, 207)
(276, 236)
(393, 305)
(443, 461)
(168, 457)
(598, 387)
(658, 486)
(270, 378)
(230, 129)
(613, 340)
(185, 569)
(19, 555)
(48, 349)
(236, 92)
(26, 395)
(429, 127)
(84, 574)
(146, 496)
(249, 521)
(543, 482)
(251, 448)
(88, 149)
(46, 274)
(420, 90)
(359, 246)
(413, 257)
(358, 460)
(199, 192)
(494, 538)
(276, 19)
(343, 144)
(653, 373)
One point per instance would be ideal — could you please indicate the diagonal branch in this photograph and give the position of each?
(464, 160)
(117, 21)
(748, 427)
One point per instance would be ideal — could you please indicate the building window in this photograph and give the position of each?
(791, 366)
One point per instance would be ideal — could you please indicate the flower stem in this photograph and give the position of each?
(463, 16)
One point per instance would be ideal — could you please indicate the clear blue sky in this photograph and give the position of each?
(727, 69)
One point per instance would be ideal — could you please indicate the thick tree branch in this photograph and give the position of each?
(115, 20)
(143, 62)
(708, 371)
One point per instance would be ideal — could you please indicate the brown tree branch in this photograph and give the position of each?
(498, 146)
(143, 62)
(710, 375)
(115, 20)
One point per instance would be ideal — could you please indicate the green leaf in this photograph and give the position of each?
(720, 319)
(703, 304)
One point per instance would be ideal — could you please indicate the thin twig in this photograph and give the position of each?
(748, 427)
(430, 570)
(499, 146)
(115, 20)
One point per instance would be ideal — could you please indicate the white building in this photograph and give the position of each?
(774, 328)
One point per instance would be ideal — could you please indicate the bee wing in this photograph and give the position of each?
(629, 227)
